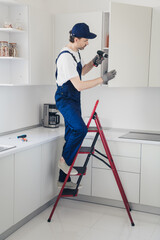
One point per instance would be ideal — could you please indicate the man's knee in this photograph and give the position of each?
(82, 131)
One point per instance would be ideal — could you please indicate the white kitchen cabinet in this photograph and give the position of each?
(126, 157)
(51, 153)
(125, 149)
(123, 163)
(40, 39)
(34, 62)
(65, 22)
(129, 44)
(14, 70)
(27, 182)
(150, 176)
(6, 192)
(154, 74)
(104, 185)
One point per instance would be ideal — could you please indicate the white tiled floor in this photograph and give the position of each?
(75, 220)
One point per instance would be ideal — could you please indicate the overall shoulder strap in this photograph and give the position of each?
(66, 52)
(59, 56)
(79, 55)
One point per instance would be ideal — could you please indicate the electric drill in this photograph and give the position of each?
(102, 55)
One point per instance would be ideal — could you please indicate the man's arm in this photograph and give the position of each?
(82, 85)
(87, 67)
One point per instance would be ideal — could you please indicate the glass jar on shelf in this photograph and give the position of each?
(7, 23)
(19, 24)
(4, 49)
(13, 49)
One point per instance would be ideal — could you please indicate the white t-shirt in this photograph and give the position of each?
(67, 66)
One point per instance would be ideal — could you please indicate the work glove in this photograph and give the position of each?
(107, 76)
(97, 60)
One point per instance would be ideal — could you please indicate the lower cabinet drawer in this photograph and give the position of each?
(126, 164)
(126, 149)
(104, 185)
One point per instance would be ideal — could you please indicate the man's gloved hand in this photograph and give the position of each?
(108, 76)
(97, 60)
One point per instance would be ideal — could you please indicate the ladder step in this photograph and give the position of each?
(85, 150)
(93, 129)
(80, 170)
(69, 192)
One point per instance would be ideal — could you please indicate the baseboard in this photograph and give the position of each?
(116, 203)
(18, 225)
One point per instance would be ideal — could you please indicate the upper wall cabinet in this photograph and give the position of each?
(30, 30)
(130, 41)
(65, 22)
(13, 44)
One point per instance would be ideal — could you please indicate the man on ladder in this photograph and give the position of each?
(69, 70)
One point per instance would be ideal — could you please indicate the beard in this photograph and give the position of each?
(82, 48)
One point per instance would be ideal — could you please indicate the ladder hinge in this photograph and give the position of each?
(94, 115)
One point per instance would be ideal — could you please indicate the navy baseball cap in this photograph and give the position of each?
(81, 30)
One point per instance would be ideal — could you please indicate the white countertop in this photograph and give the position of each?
(41, 135)
(35, 136)
(115, 134)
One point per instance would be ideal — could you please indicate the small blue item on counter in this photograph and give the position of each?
(22, 136)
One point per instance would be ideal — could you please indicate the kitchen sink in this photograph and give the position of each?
(142, 136)
(5, 147)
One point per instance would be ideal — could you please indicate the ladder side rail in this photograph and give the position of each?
(88, 157)
(92, 114)
(59, 195)
(114, 170)
(112, 164)
(99, 127)
(61, 191)
(102, 134)
(68, 174)
(105, 144)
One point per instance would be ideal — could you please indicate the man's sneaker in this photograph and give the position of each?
(70, 185)
(65, 168)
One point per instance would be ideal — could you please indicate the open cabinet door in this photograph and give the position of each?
(129, 44)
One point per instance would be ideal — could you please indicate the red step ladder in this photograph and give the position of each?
(90, 151)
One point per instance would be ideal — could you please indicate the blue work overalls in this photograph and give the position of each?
(68, 103)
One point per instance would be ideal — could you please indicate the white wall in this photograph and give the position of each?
(128, 108)
(22, 106)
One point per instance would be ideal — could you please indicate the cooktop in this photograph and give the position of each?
(142, 136)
